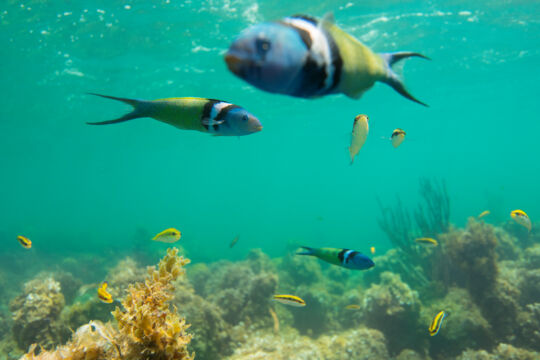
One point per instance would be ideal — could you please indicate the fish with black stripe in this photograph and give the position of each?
(349, 259)
(216, 117)
(305, 57)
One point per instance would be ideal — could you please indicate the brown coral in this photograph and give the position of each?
(153, 330)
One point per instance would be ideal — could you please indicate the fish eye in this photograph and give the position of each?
(262, 45)
(244, 117)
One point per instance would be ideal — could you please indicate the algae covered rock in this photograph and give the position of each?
(474, 258)
(393, 308)
(359, 344)
(35, 312)
(502, 352)
(529, 327)
(463, 319)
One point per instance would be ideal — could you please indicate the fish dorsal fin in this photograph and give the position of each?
(311, 19)
(328, 18)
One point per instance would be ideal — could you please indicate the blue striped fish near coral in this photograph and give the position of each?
(349, 259)
(305, 57)
(216, 117)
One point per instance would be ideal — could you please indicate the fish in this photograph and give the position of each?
(353, 307)
(290, 300)
(306, 57)
(372, 249)
(103, 294)
(521, 218)
(349, 259)
(170, 235)
(234, 241)
(397, 137)
(212, 116)
(360, 132)
(428, 242)
(436, 323)
(483, 213)
(24, 241)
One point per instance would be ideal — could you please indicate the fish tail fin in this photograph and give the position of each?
(393, 79)
(309, 251)
(140, 109)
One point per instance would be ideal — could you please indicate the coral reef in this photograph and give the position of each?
(502, 352)
(393, 308)
(359, 344)
(147, 328)
(529, 327)
(463, 319)
(472, 253)
(35, 311)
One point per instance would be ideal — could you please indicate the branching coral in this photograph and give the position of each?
(153, 330)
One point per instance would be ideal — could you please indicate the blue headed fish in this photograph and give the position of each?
(206, 115)
(305, 57)
(103, 294)
(521, 218)
(349, 259)
(436, 323)
(24, 241)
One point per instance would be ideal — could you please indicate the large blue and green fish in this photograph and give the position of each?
(189, 113)
(346, 258)
(305, 57)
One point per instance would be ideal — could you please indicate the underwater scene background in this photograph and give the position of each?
(91, 198)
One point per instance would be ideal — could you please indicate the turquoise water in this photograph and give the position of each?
(76, 189)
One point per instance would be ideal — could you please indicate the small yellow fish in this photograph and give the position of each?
(170, 235)
(429, 242)
(103, 294)
(359, 135)
(436, 324)
(398, 135)
(234, 241)
(352, 307)
(521, 218)
(484, 213)
(290, 300)
(372, 249)
(25, 242)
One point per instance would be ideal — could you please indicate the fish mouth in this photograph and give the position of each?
(234, 63)
(257, 128)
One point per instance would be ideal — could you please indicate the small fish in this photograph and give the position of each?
(349, 259)
(170, 235)
(359, 135)
(483, 213)
(428, 242)
(306, 57)
(206, 115)
(436, 324)
(353, 307)
(103, 294)
(372, 249)
(290, 300)
(398, 135)
(234, 241)
(521, 218)
(24, 241)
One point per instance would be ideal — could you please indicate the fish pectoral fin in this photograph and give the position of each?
(210, 122)
(355, 95)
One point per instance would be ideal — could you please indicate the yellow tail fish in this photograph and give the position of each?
(103, 294)
(170, 235)
(521, 218)
(290, 300)
(206, 115)
(24, 241)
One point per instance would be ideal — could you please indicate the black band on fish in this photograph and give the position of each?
(337, 62)
(304, 35)
(207, 111)
(349, 255)
(342, 254)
